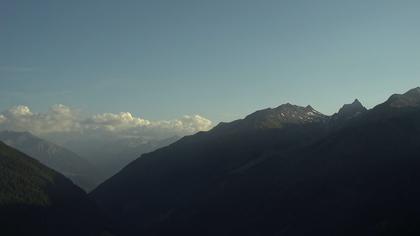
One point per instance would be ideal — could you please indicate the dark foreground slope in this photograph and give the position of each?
(282, 172)
(35, 200)
(74, 167)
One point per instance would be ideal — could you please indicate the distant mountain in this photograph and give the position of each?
(36, 200)
(117, 154)
(283, 171)
(56, 157)
(110, 156)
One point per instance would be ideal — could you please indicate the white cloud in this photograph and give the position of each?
(188, 124)
(58, 118)
(2, 119)
(20, 111)
(115, 122)
(62, 120)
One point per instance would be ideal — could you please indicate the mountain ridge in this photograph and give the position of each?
(271, 118)
(260, 180)
(409, 99)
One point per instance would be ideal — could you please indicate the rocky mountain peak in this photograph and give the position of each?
(352, 109)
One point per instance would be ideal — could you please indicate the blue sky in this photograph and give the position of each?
(221, 59)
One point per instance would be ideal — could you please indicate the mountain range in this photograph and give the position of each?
(288, 170)
(284, 171)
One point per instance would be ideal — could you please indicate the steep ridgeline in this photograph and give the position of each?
(80, 171)
(354, 173)
(36, 200)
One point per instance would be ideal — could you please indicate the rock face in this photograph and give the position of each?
(283, 171)
(36, 200)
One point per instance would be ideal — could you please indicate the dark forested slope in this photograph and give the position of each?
(80, 171)
(36, 200)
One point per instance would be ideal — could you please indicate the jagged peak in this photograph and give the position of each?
(356, 101)
(349, 111)
(355, 106)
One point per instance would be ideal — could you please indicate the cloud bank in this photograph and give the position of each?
(62, 120)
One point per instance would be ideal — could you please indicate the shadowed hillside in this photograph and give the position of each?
(36, 200)
(80, 171)
(354, 173)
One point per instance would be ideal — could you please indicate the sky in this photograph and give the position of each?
(161, 60)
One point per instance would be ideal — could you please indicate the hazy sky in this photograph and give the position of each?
(221, 59)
